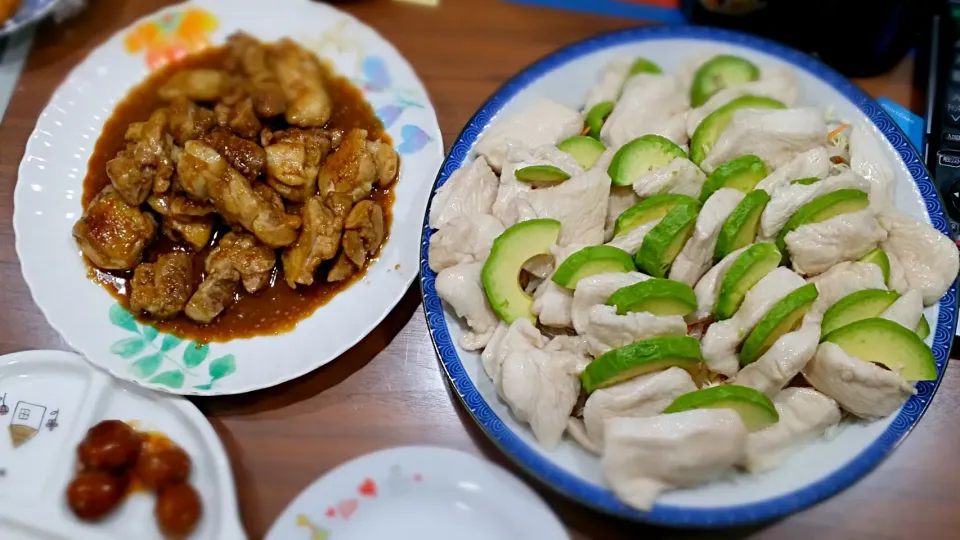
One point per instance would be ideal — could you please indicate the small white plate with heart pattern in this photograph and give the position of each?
(417, 492)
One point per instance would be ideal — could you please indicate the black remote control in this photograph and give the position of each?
(943, 108)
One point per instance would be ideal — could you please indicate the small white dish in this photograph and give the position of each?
(49, 189)
(48, 401)
(418, 492)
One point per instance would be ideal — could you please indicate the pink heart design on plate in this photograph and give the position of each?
(347, 507)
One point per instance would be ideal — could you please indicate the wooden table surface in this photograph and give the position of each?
(388, 390)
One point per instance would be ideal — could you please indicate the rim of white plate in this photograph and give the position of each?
(44, 245)
(598, 497)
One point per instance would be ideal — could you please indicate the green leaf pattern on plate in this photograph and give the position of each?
(153, 356)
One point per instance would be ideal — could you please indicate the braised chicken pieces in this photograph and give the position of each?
(242, 178)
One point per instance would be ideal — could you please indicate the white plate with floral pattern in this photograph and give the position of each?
(417, 492)
(49, 189)
(48, 401)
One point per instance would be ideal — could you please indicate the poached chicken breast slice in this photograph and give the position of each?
(464, 239)
(461, 287)
(773, 135)
(781, 363)
(649, 104)
(929, 259)
(862, 388)
(644, 457)
(816, 247)
(469, 191)
(640, 397)
(779, 83)
(805, 414)
(708, 287)
(606, 330)
(593, 291)
(542, 121)
(839, 281)
(680, 177)
(788, 198)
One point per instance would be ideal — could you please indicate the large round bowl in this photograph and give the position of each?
(820, 469)
(49, 187)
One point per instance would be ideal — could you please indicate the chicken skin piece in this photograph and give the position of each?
(183, 219)
(217, 291)
(242, 252)
(188, 121)
(293, 160)
(301, 78)
(386, 160)
(249, 57)
(238, 257)
(245, 156)
(319, 238)
(351, 169)
(237, 114)
(367, 223)
(196, 85)
(145, 164)
(113, 234)
(162, 288)
(205, 174)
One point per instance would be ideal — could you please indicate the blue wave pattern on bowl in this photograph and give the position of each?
(601, 498)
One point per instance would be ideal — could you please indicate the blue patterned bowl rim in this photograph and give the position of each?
(598, 497)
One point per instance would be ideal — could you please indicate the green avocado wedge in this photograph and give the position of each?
(755, 409)
(640, 358)
(923, 327)
(889, 344)
(864, 304)
(586, 150)
(541, 174)
(501, 271)
(824, 207)
(642, 65)
(722, 71)
(657, 296)
(785, 316)
(650, 209)
(805, 181)
(741, 174)
(879, 257)
(740, 228)
(590, 261)
(709, 130)
(665, 240)
(596, 116)
(640, 156)
(750, 266)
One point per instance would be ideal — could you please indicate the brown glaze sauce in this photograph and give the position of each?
(276, 309)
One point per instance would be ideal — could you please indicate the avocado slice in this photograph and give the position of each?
(863, 304)
(650, 209)
(590, 261)
(741, 174)
(720, 72)
(805, 181)
(640, 156)
(742, 224)
(785, 316)
(663, 243)
(879, 257)
(889, 344)
(824, 207)
(586, 150)
(501, 272)
(755, 409)
(541, 174)
(640, 358)
(642, 65)
(657, 296)
(750, 266)
(709, 130)
(596, 116)
(923, 327)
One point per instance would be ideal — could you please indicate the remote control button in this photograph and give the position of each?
(948, 159)
(952, 198)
